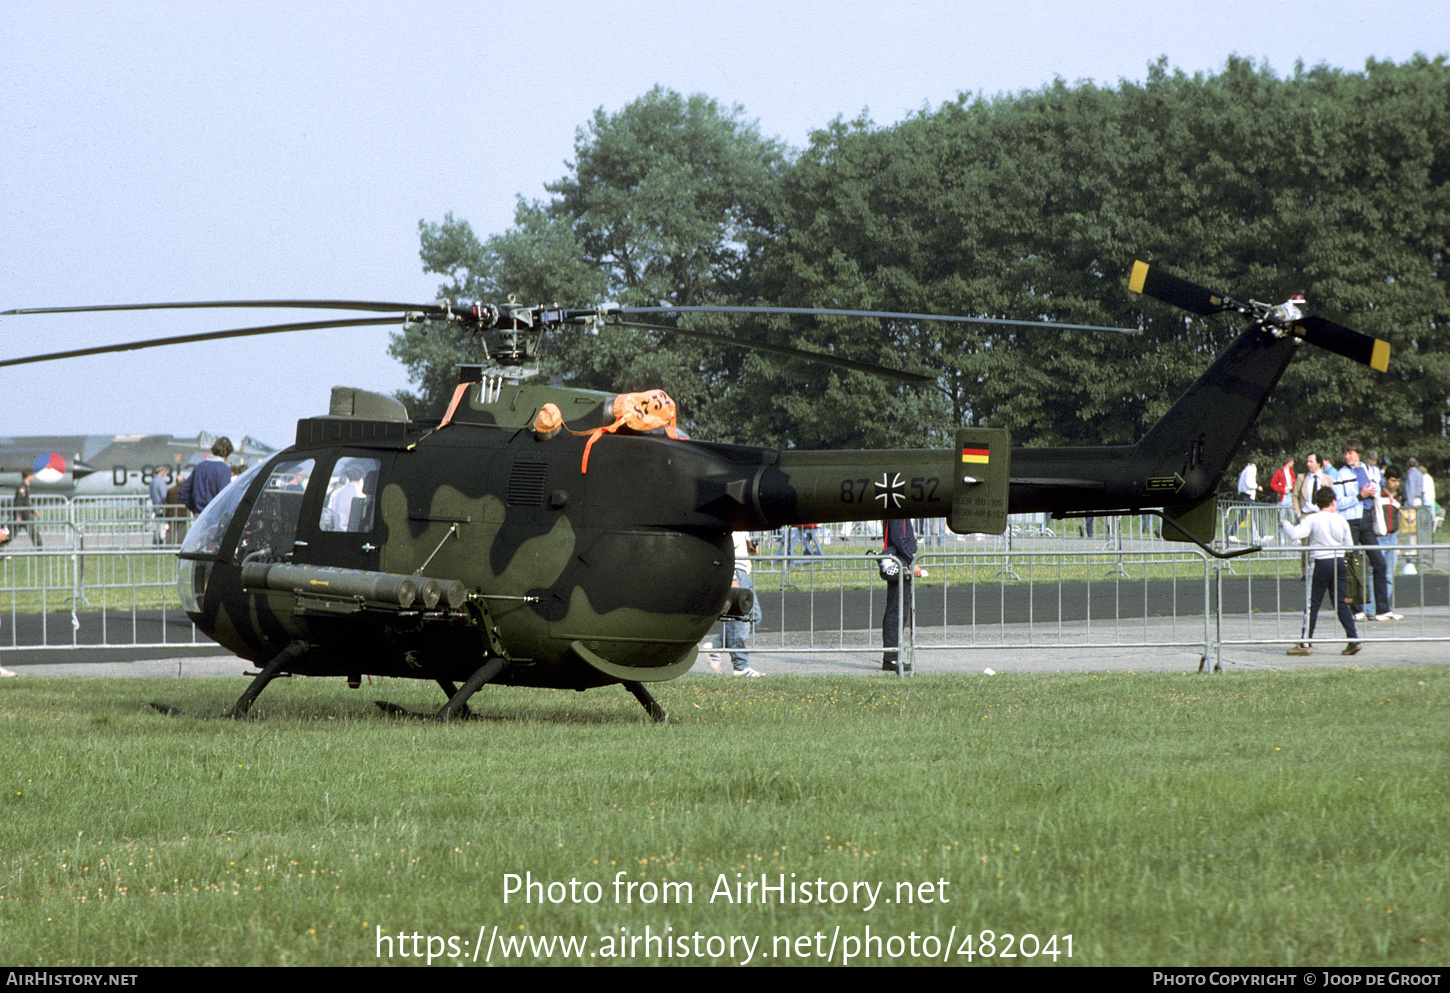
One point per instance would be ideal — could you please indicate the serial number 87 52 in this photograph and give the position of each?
(922, 489)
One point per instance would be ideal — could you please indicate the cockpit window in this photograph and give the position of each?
(210, 527)
(272, 525)
(351, 495)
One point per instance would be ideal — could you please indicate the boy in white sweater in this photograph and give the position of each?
(1329, 536)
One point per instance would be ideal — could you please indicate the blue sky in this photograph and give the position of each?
(208, 151)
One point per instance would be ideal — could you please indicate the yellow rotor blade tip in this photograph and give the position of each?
(1138, 276)
(1379, 359)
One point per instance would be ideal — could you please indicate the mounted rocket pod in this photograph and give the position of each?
(376, 588)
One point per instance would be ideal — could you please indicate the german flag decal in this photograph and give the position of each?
(976, 454)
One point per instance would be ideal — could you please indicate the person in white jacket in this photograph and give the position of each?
(1329, 536)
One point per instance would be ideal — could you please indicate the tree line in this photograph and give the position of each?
(1025, 206)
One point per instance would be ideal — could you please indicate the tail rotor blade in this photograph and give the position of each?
(1169, 288)
(1341, 340)
(1196, 299)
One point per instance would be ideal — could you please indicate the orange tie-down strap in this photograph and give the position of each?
(637, 411)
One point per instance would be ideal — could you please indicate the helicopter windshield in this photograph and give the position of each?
(271, 527)
(204, 538)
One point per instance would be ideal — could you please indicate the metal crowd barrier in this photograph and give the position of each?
(92, 572)
(1243, 523)
(92, 598)
(1265, 600)
(54, 522)
(1104, 593)
(104, 574)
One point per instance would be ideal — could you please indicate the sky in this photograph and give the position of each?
(258, 150)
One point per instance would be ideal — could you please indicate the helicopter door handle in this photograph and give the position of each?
(369, 547)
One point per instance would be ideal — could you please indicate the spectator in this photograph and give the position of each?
(1355, 492)
(209, 478)
(898, 571)
(737, 632)
(1329, 535)
(24, 515)
(1283, 482)
(1313, 478)
(1392, 516)
(160, 483)
(1248, 491)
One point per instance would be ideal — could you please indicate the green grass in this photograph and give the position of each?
(1158, 819)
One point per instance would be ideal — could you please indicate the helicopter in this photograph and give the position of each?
(556, 537)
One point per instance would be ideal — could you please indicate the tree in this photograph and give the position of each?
(1028, 206)
(1034, 205)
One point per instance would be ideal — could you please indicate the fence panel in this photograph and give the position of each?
(1062, 598)
(101, 598)
(1263, 598)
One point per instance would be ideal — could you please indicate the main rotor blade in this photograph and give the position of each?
(816, 312)
(1341, 340)
(795, 353)
(183, 339)
(240, 304)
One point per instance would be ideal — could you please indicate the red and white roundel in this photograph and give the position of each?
(49, 468)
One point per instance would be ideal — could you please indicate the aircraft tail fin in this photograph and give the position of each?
(1183, 456)
(1179, 462)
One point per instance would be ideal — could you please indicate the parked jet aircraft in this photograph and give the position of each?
(108, 465)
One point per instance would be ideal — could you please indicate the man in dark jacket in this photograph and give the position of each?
(24, 515)
(210, 477)
(900, 545)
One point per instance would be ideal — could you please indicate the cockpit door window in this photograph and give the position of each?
(342, 519)
(351, 496)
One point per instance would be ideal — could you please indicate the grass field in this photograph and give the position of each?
(1287, 818)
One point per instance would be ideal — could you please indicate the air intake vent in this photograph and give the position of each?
(526, 484)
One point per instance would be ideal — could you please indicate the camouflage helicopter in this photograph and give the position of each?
(566, 538)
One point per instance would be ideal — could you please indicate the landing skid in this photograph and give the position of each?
(171, 711)
(648, 702)
(455, 709)
(273, 669)
(457, 706)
